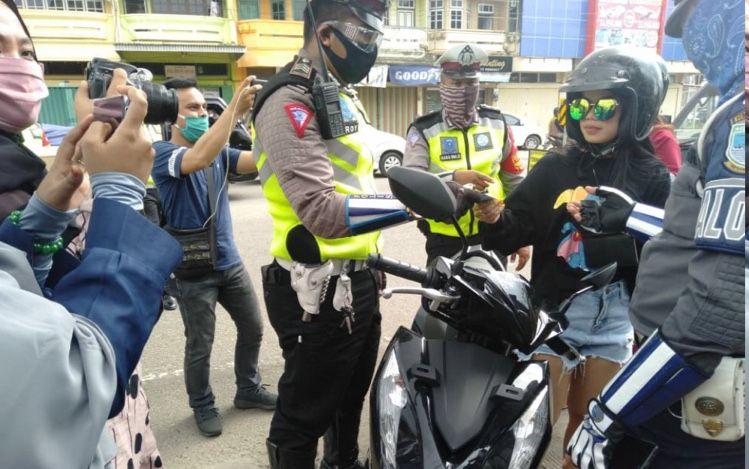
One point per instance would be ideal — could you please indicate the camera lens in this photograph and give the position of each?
(163, 105)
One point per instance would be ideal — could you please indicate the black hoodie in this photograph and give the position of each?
(531, 218)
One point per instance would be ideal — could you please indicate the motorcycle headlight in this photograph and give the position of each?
(391, 400)
(530, 430)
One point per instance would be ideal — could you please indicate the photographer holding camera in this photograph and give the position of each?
(190, 173)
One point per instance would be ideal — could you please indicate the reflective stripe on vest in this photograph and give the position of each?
(353, 173)
(447, 152)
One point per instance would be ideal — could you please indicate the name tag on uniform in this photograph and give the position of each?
(350, 121)
(482, 141)
(449, 149)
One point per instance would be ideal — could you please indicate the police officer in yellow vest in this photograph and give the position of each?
(317, 176)
(465, 143)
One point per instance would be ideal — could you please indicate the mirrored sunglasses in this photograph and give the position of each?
(603, 109)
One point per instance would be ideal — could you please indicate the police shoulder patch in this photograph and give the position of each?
(301, 68)
(300, 117)
(735, 147)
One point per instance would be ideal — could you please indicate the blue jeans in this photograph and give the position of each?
(197, 303)
(599, 326)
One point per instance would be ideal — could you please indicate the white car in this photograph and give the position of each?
(387, 148)
(526, 137)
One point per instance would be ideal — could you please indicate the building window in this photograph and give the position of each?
(182, 7)
(31, 4)
(248, 9)
(406, 18)
(456, 19)
(297, 7)
(406, 13)
(456, 14)
(529, 77)
(135, 6)
(436, 9)
(278, 9)
(513, 16)
(95, 6)
(486, 16)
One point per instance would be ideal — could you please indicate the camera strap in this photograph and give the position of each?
(212, 210)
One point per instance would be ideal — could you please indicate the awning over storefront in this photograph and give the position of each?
(50, 52)
(236, 51)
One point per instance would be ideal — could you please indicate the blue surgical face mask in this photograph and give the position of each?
(195, 127)
(713, 39)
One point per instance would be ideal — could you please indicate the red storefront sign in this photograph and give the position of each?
(635, 23)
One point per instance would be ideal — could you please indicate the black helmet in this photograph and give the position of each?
(637, 76)
(370, 12)
(507, 313)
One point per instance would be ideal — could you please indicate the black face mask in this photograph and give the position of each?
(357, 63)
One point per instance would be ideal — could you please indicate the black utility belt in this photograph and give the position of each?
(339, 265)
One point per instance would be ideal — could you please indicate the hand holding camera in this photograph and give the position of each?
(245, 96)
(84, 105)
(127, 149)
(99, 93)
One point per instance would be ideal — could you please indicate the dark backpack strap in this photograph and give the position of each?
(283, 78)
(212, 196)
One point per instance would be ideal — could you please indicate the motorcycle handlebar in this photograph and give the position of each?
(398, 268)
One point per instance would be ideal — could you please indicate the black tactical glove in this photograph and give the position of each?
(608, 214)
(465, 197)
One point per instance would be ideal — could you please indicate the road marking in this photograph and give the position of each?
(181, 371)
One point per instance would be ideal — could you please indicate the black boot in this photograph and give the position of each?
(288, 459)
(341, 445)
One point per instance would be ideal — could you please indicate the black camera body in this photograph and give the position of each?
(163, 105)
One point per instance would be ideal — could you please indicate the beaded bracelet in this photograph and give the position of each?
(39, 248)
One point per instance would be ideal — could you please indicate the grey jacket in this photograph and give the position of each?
(58, 378)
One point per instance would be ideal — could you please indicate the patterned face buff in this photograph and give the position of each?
(713, 36)
(460, 103)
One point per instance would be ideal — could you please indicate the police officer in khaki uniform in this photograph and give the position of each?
(316, 172)
(463, 142)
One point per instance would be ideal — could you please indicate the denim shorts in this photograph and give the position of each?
(599, 326)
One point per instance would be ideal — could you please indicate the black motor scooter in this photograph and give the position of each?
(460, 398)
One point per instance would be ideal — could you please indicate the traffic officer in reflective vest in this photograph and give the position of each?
(316, 172)
(465, 143)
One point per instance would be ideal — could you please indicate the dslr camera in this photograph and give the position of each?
(163, 105)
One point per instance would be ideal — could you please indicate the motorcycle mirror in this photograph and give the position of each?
(422, 192)
(599, 278)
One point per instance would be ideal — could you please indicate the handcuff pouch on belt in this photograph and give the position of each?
(715, 409)
(310, 282)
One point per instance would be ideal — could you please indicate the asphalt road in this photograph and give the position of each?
(242, 444)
